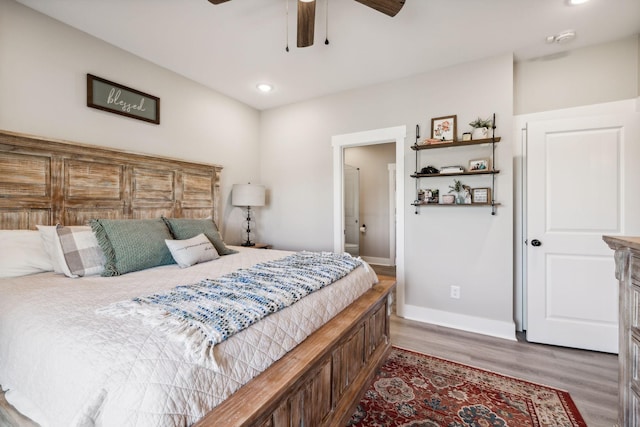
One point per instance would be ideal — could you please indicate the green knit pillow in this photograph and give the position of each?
(185, 228)
(132, 244)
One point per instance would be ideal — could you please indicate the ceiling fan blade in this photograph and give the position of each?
(388, 7)
(306, 22)
(218, 1)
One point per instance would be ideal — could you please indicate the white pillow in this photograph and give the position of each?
(51, 245)
(22, 253)
(192, 251)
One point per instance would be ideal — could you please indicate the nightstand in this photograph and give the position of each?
(261, 246)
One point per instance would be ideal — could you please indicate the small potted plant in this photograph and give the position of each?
(481, 128)
(459, 188)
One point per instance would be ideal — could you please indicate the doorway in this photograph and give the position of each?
(394, 135)
(352, 210)
(368, 203)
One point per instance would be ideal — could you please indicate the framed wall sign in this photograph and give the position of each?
(444, 128)
(481, 196)
(118, 99)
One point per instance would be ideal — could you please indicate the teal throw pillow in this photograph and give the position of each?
(185, 228)
(132, 244)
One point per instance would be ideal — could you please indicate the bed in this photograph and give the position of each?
(66, 361)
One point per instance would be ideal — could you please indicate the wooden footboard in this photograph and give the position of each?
(321, 381)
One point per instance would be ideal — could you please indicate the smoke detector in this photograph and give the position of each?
(562, 37)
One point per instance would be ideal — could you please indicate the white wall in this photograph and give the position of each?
(438, 252)
(445, 246)
(591, 75)
(43, 67)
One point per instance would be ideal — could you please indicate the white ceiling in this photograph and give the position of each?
(233, 46)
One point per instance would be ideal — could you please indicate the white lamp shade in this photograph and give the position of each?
(248, 195)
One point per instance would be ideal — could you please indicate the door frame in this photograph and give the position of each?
(356, 197)
(396, 134)
(393, 212)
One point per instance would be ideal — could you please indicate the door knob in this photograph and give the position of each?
(536, 242)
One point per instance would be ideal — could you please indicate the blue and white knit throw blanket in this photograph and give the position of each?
(207, 313)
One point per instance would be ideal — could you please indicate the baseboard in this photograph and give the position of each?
(479, 325)
(377, 261)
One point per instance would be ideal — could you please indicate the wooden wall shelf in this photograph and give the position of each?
(492, 172)
(433, 175)
(456, 205)
(456, 143)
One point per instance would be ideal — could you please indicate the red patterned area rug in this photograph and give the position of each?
(417, 390)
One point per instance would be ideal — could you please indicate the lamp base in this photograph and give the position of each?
(248, 244)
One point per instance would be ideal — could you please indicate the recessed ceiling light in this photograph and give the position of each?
(576, 2)
(264, 87)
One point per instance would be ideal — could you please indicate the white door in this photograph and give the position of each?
(352, 209)
(578, 186)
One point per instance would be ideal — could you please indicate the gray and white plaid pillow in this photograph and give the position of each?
(81, 250)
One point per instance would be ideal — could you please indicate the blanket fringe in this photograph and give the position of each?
(195, 340)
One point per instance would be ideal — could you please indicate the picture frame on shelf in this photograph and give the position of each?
(479, 165)
(432, 196)
(481, 196)
(444, 128)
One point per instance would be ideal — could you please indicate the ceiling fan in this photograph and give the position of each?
(307, 15)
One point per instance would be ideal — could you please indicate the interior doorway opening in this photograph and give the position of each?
(352, 227)
(395, 135)
(369, 203)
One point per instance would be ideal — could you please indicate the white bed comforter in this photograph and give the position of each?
(65, 365)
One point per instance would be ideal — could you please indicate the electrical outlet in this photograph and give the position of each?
(454, 292)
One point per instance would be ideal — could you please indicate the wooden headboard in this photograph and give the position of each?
(49, 182)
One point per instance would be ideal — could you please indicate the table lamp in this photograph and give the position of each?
(248, 195)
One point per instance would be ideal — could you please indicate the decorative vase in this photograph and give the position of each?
(480, 133)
